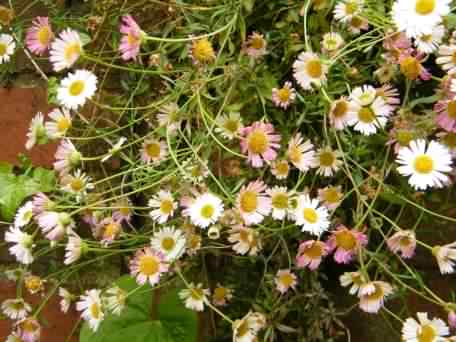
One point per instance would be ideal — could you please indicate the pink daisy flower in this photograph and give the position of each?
(452, 319)
(66, 157)
(41, 203)
(403, 242)
(55, 225)
(148, 266)
(390, 95)
(346, 243)
(253, 203)
(260, 143)
(411, 67)
(446, 117)
(311, 253)
(39, 36)
(255, 46)
(130, 42)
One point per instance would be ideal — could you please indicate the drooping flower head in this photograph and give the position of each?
(372, 295)
(403, 242)
(23, 245)
(7, 47)
(90, 305)
(67, 157)
(39, 36)
(446, 257)
(60, 123)
(195, 297)
(260, 143)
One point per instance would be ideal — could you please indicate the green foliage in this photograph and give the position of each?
(135, 324)
(15, 188)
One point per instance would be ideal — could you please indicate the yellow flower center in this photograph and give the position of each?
(77, 184)
(404, 137)
(378, 294)
(327, 158)
(28, 326)
(310, 215)
(153, 150)
(124, 211)
(453, 57)
(314, 68)
(132, 40)
(423, 164)
(280, 201)
(286, 279)
(168, 243)
(249, 201)
(33, 283)
(207, 211)
(243, 329)
(427, 334)
(148, 265)
(405, 241)
(351, 7)
(258, 141)
(366, 115)
(166, 206)
(3, 48)
(63, 124)
(425, 7)
(202, 50)
(219, 293)
(340, 109)
(244, 235)
(76, 88)
(427, 38)
(356, 22)
(284, 94)
(331, 195)
(231, 126)
(451, 109)
(72, 51)
(111, 230)
(346, 240)
(44, 35)
(314, 252)
(196, 294)
(411, 68)
(95, 310)
(257, 42)
(294, 154)
(282, 168)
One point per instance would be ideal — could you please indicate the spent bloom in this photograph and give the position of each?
(29, 329)
(373, 294)
(284, 280)
(403, 242)
(311, 253)
(202, 52)
(194, 297)
(39, 36)
(260, 143)
(446, 114)
(255, 46)
(221, 295)
(446, 257)
(247, 328)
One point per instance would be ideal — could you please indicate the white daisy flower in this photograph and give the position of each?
(7, 46)
(309, 70)
(284, 280)
(115, 299)
(153, 151)
(205, 210)
(165, 206)
(169, 117)
(424, 330)
(61, 122)
(76, 88)
(364, 95)
(55, 225)
(36, 132)
(65, 50)
(310, 215)
(418, 17)
(327, 161)
(367, 119)
(247, 328)
(91, 307)
(340, 113)
(300, 153)
(280, 201)
(245, 240)
(280, 169)
(170, 242)
(24, 215)
(77, 184)
(23, 245)
(16, 309)
(74, 248)
(332, 42)
(426, 167)
(428, 43)
(446, 58)
(194, 297)
(66, 299)
(229, 126)
(346, 9)
(446, 257)
(253, 203)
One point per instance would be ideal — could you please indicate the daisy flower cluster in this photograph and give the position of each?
(243, 164)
